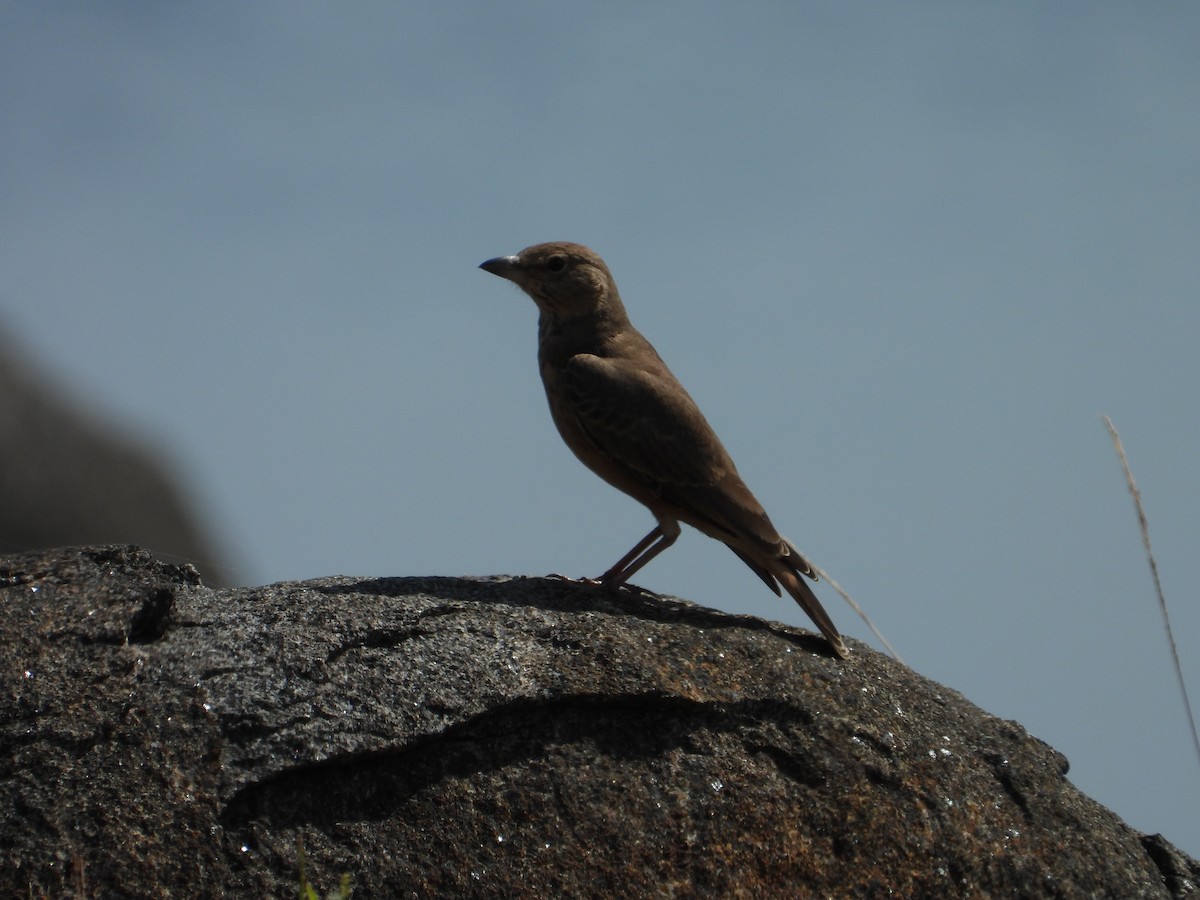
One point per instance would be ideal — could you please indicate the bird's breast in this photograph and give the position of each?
(575, 436)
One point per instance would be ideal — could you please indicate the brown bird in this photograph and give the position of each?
(629, 420)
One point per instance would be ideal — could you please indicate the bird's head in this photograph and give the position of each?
(565, 280)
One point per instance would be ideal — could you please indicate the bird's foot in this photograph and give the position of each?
(556, 576)
(611, 586)
(640, 591)
(615, 587)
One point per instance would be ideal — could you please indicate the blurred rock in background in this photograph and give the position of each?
(67, 478)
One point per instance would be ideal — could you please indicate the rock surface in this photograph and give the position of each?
(503, 737)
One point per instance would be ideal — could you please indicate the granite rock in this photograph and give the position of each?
(503, 737)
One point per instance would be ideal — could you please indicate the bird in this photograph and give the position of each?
(626, 417)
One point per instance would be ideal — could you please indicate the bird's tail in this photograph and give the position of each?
(802, 594)
(787, 570)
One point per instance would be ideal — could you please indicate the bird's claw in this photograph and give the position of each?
(589, 582)
(610, 586)
(560, 577)
(641, 591)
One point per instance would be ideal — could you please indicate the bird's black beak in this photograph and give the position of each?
(504, 266)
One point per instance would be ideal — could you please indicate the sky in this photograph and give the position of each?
(904, 255)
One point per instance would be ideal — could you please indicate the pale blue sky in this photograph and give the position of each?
(904, 255)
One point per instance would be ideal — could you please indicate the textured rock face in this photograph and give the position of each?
(503, 737)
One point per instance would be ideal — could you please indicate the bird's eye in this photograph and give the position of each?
(556, 263)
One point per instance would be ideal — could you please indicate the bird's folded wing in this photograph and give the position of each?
(643, 421)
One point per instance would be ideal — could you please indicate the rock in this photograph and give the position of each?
(68, 478)
(503, 737)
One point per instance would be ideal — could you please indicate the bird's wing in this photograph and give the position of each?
(642, 420)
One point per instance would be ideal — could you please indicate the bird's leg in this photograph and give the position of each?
(663, 536)
(612, 579)
(613, 575)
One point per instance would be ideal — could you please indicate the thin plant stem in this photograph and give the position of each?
(1162, 600)
(858, 609)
